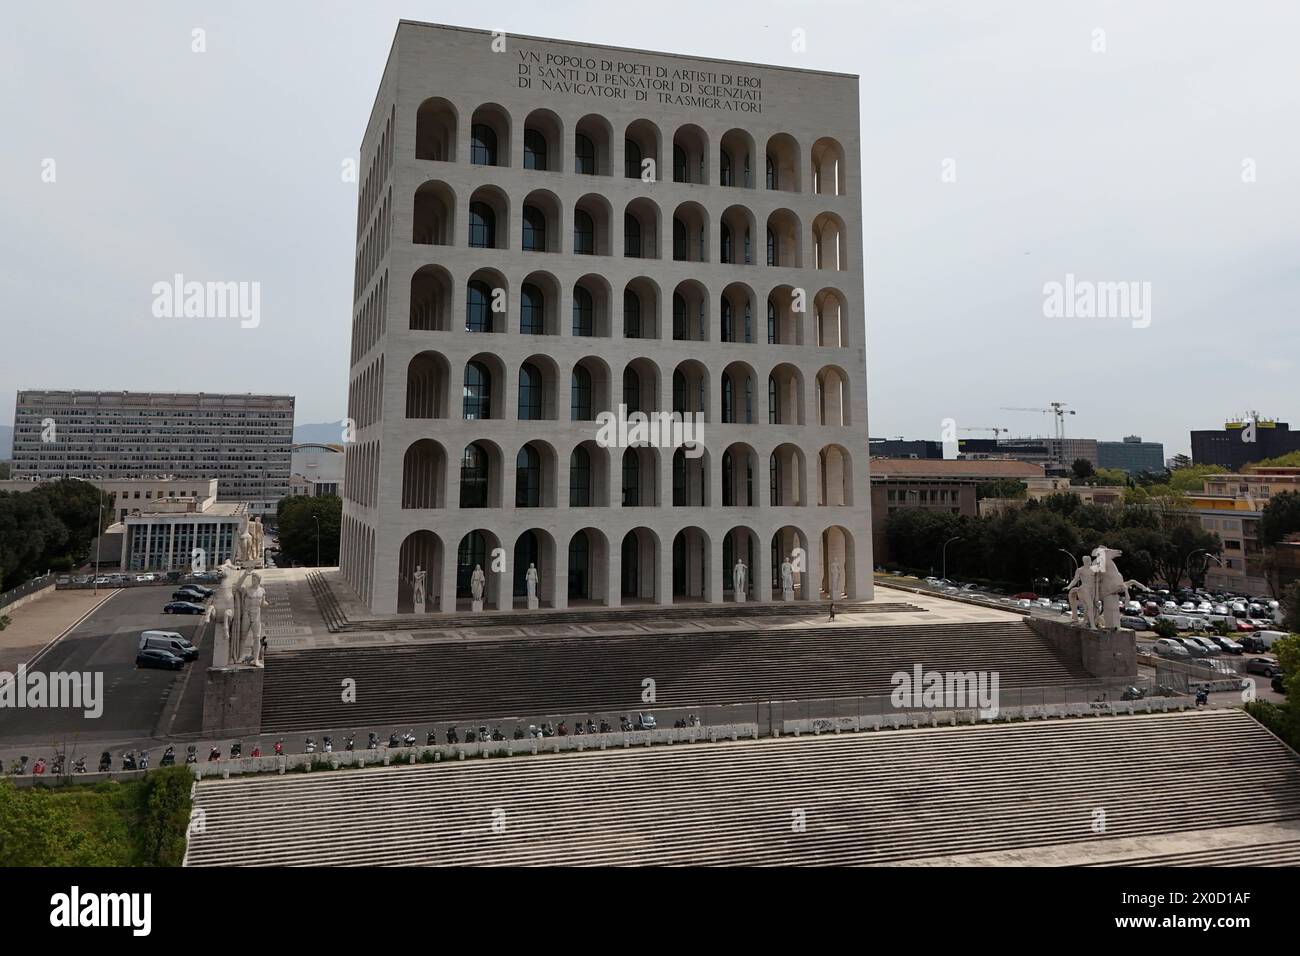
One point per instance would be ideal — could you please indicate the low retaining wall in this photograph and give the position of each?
(1105, 654)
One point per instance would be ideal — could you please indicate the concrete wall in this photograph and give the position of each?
(232, 701)
(1109, 654)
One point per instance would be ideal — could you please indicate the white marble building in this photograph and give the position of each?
(548, 230)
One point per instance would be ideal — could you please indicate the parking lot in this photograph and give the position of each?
(136, 701)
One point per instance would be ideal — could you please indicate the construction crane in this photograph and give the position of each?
(986, 428)
(1059, 409)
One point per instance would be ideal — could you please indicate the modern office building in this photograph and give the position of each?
(549, 232)
(316, 469)
(1051, 453)
(1132, 455)
(135, 494)
(241, 440)
(182, 533)
(904, 448)
(1242, 441)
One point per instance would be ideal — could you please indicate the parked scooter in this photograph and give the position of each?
(497, 734)
(19, 768)
(56, 768)
(257, 750)
(168, 757)
(591, 727)
(469, 737)
(1202, 697)
(39, 766)
(373, 742)
(408, 739)
(279, 747)
(236, 750)
(604, 726)
(328, 744)
(144, 760)
(128, 760)
(79, 765)
(624, 724)
(349, 742)
(214, 754)
(519, 732)
(430, 740)
(393, 741)
(452, 737)
(191, 754)
(105, 762)
(309, 746)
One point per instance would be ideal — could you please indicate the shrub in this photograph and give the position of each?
(1164, 628)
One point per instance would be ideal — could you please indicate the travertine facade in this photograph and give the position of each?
(548, 230)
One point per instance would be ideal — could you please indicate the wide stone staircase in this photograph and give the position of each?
(526, 677)
(865, 798)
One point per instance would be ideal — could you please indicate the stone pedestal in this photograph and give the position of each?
(476, 606)
(532, 603)
(787, 594)
(1103, 654)
(740, 597)
(232, 701)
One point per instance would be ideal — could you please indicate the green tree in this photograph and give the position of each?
(1192, 478)
(1280, 517)
(296, 523)
(1291, 607)
(1001, 488)
(1082, 469)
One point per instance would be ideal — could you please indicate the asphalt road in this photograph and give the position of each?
(135, 699)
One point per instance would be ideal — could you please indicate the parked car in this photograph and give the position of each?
(183, 607)
(206, 592)
(1278, 683)
(145, 578)
(103, 579)
(1193, 647)
(1262, 665)
(1169, 647)
(1244, 627)
(185, 594)
(1133, 623)
(1226, 644)
(169, 641)
(156, 657)
(1211, 648)
(1269, 638)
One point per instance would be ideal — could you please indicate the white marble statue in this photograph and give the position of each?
(1112, 590)
(417, 588)
(787, 579)
(835, 580)
(530, 582)
(477, 582)
(740, 580)
(246, 545)
(255, 529)
(250, 598)
(1082, 593)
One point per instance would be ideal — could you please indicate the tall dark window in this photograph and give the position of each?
(584, 312)
(482, 145)
(632, 390)
(749, 400)
(773, 336)
(579, 478)
(530, 392)
(681, 167)
(749, 324)
(728, 396)
(681, 331)
(727, 254)
(532, 310)
(474, 479)
(771, 248)
(681, 242)
(726, 178)
(749, 255)
(478, 307)
(679, 479)
(771, 173)
(528, 478)
(534, 237)
(773, 405)
(631, 160)
(631, 236)
(584, 234)
(472, 553)
(527, 552)
(631, 315)
(728, 332)
(579, 566)
(631, 478)
(630, 583)
(580, 390)
(476, 403)
(584, 155)
(482, 226)
(728, 485)
(534, 149)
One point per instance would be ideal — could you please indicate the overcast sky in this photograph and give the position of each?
(1120, 165)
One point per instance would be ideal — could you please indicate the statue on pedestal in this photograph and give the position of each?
(247, 642)
(417, 588)
(739, 580)
(255, 529)
(246, 546)
(1082, 593)
(477, 582)
(530, 582)
(835, 575)
(787, 579)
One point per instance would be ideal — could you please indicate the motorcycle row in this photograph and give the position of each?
(139, 760)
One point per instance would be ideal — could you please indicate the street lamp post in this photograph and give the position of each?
(317, 520)
(1074, 565)
(945, 554)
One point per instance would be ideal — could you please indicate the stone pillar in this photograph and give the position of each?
(232, 701)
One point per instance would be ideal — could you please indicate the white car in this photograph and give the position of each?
(1168, 647)
(145, 578)
(1187, 606)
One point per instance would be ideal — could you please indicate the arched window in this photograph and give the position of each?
(728, 394)
(580, 389)
(474, 479)
(771, 248)
(579, 478)
(631, 478)
(584, 312)
(773, 333)
(477, 399)
(632, 390)
(630, 579)
(749, 324)
(631, 160)
(530, 392)
(528, 478)
(726, 244)
(584, 155)
(771, 173)
(680, 328)
(584, 234)
(478, 307)
(482, 145)
(631, 315)
(773, 406)
(472, 553)
(749, 256)
(727, 330)
(526, 553)
(482, 226)
(681, 244)
(773, 482)
(728, 483)
(534, 149)
(681, 168)
(726, 177)
(579, 566)
(631, 236)
(749, 400)
(532, 310)
(534, 229)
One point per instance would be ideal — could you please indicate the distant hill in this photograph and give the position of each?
(6, 442)
(328, 433)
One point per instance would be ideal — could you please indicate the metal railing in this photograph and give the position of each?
(31, 587)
